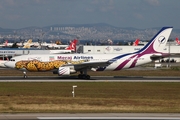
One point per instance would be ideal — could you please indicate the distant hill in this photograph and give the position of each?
(4, 30)
(94, 31)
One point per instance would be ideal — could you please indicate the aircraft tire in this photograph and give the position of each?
(87, 77)
(83, 76)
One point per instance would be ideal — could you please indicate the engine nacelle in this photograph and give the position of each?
(65, 71)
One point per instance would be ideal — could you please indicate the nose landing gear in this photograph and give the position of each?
(25, 75)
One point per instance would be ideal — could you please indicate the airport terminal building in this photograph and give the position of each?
(173, 49)
(85, 49)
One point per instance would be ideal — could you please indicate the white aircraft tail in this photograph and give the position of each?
(158, 42)
(28, 44)
(153, 49)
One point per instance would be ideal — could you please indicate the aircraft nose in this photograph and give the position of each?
(10, 64)
(2, 63)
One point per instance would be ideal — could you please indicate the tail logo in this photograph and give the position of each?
(108, 48)
(162, 39)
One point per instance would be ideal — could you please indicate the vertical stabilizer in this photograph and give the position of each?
(158, 42)
(72, 46)
(136, 42)
(28, 44)
(177, 40)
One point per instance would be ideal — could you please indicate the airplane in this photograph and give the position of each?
(6, 44)
(68, 49)
(136, 42)
(17, 45)
(53, 45)
(178, 41)
(66, 64)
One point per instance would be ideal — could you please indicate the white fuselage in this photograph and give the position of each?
(117, 61)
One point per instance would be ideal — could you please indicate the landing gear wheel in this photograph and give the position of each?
(87, 77)
(84, 76)
(80, 76)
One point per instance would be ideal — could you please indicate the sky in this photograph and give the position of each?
(140, 14)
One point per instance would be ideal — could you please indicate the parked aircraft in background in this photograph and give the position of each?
(6, 44)
(66, 64)
(56, 45)
(17, 44)
(31, 44)
(69, 49)
(136, 42)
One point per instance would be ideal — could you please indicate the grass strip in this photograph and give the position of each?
(90, 97)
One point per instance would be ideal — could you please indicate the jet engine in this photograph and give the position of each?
(65, 71)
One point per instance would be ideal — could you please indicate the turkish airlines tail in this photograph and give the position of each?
(136, 42)
(6, 43)
(72, 46)
(177, 40)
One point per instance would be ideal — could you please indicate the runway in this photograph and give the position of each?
(90, 116)
(93, 79)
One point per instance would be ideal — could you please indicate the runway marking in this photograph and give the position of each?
(109, 118)
(31, 80)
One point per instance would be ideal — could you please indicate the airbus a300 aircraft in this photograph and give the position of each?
(66, 64)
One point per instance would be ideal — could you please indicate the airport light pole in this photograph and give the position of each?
(169, 55)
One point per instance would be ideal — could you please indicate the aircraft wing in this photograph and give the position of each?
(159, 56)
(89, 65)
(174, 54)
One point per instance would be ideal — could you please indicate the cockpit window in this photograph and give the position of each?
(12, 60)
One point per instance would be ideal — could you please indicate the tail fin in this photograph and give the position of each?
(72, 46)
(28, 44)
(6, 43)
(177, 40)
(136, 42)
(158, 42)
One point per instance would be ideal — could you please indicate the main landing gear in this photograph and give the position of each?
(84, 75)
